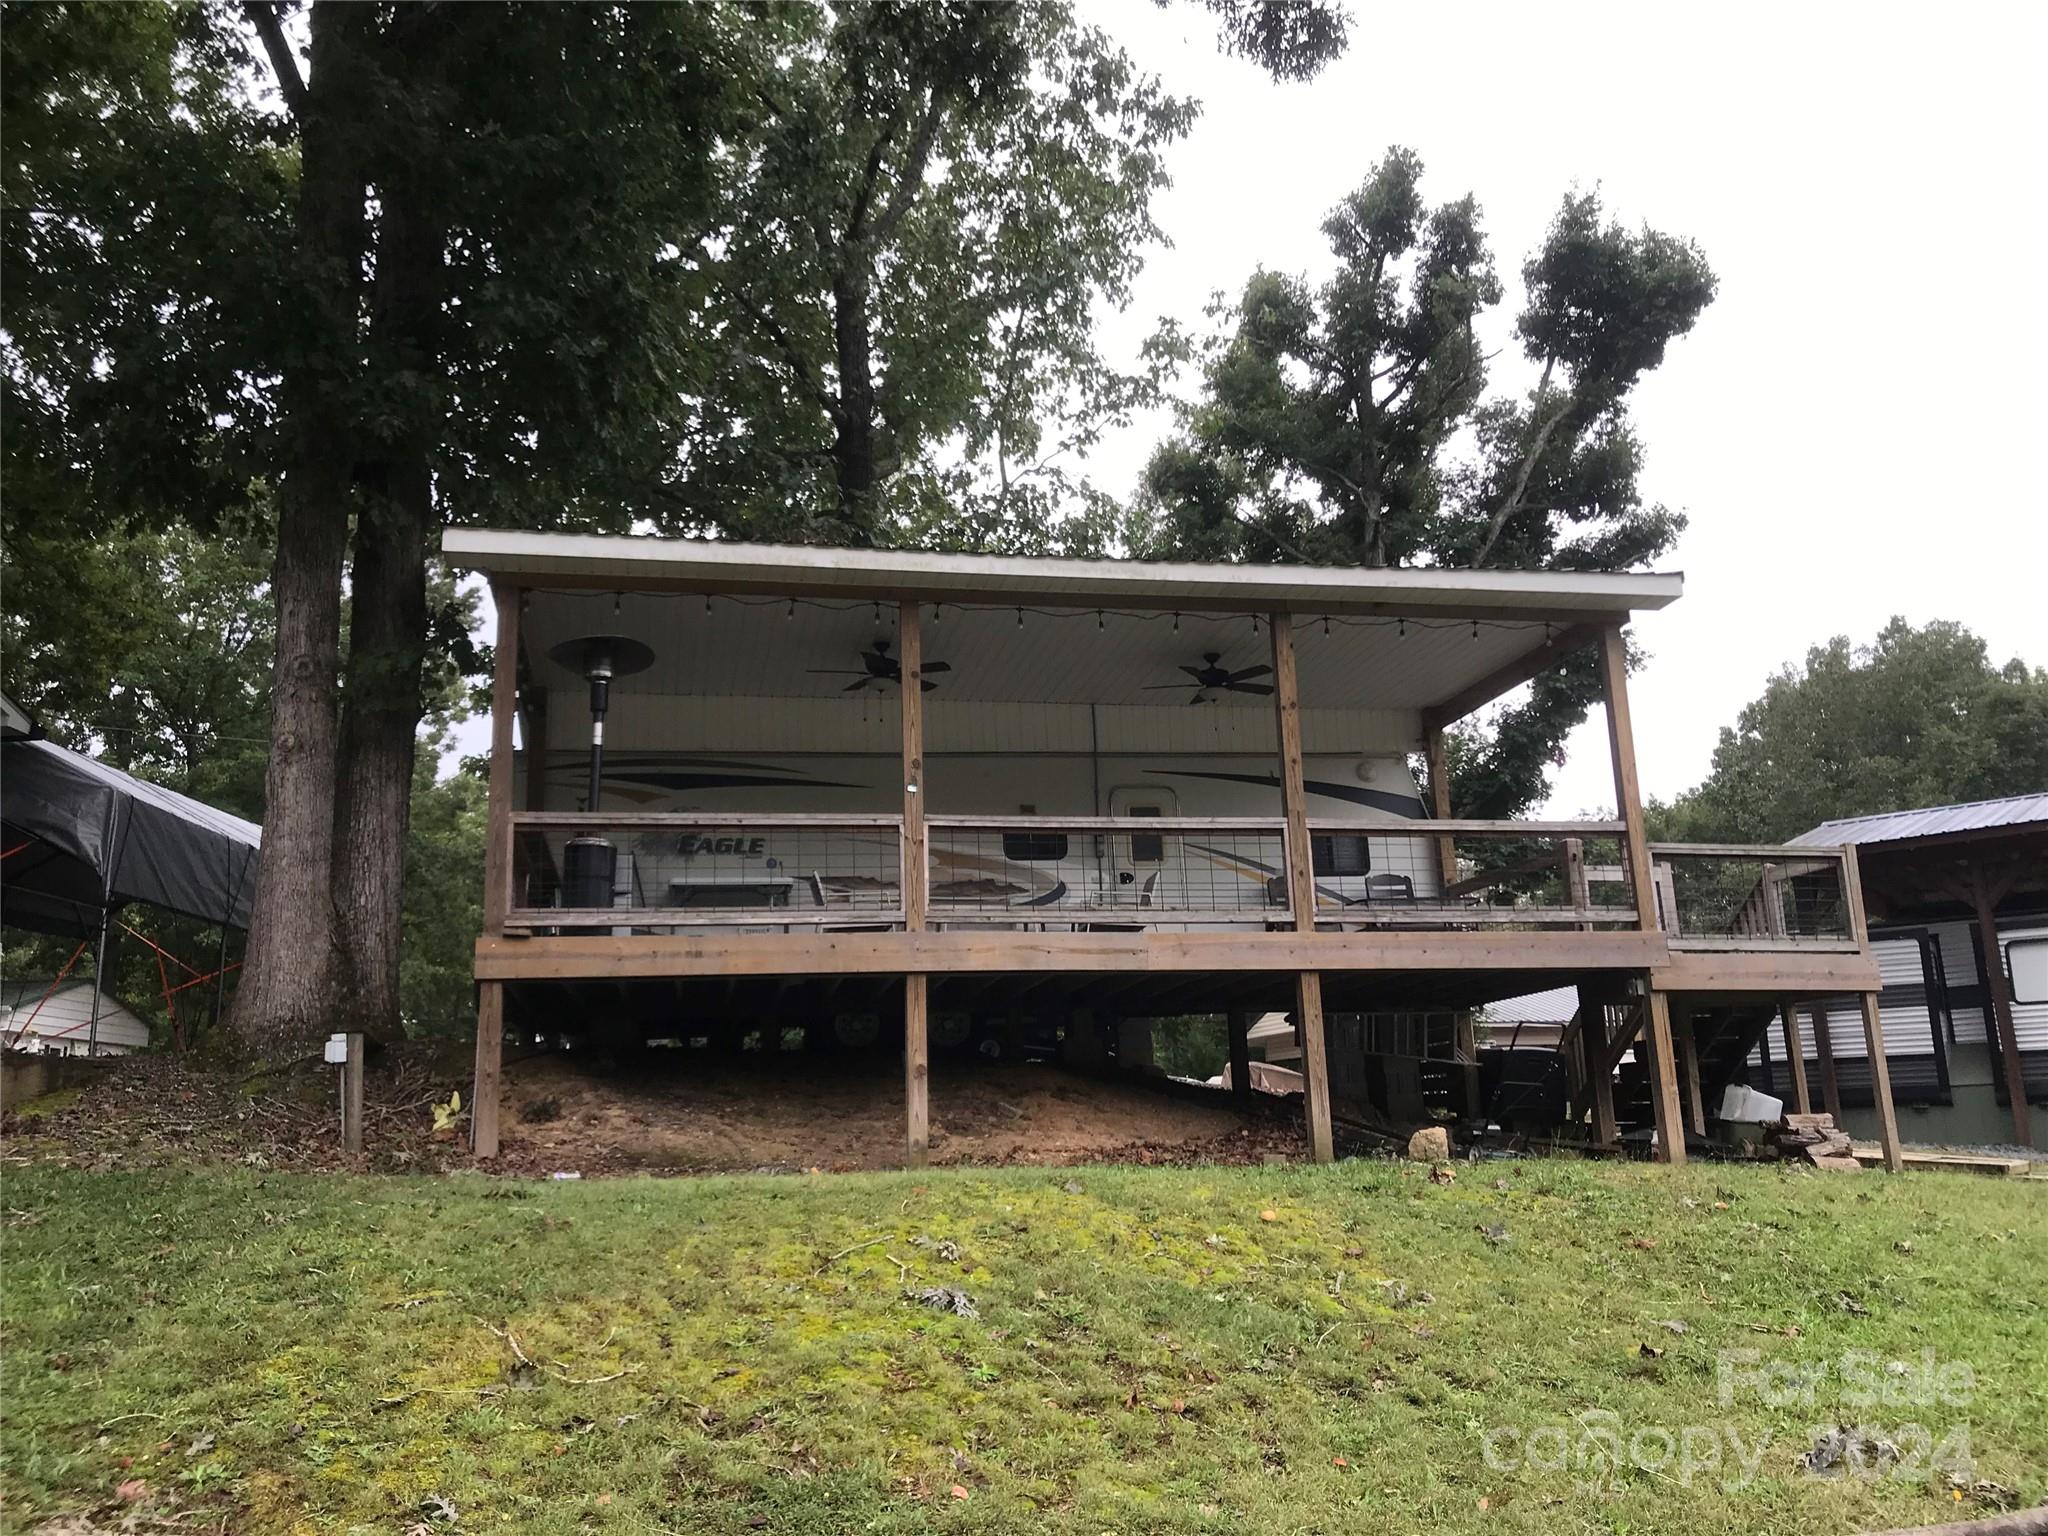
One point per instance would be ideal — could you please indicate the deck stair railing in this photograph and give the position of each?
(1738, 896)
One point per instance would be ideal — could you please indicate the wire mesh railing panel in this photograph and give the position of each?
(1449, 875)
(1752, 898)
(682, 871)
(1108, 873)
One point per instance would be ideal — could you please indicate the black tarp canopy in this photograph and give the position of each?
(83, 839)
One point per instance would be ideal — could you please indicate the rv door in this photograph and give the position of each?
(1141, 862)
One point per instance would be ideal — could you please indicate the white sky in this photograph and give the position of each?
(1852, 425)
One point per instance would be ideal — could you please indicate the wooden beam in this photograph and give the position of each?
(1688, 1042)
(915, 884)
(1769, 974)
(1301, 887)
(1510, 676)
(1240, 1026)
(1881, 1085)
(917, 1070)
(1795, 1057)
(490, 1059)
(1663, 1066)
(1999, 1013)
(1621, 744)
(1824, 1049)
(1599, 1073)
(569, 956)
(1440, 803)
(498, 803)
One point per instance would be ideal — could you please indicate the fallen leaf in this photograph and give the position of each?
(1851, 1305)
(959, 1492)
(1675, 1325)
(1485, 1503)
(1642, 1242)
(131, 1491)
(604, 1498)
(1269, 1215)
(1339, 1461)
(1649, 1351)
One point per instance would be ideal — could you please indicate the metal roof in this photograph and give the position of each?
(1553, 1007)
(597, 560)
(1931, 821)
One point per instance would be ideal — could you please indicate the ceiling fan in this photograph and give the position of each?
(1212, 678)
(878, 666)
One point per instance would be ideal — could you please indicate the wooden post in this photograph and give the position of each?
(1465, 1046)
(1440, 803)
(1689, 1073)
(1881, 1085)
(1301, 887)
(498, 868)
(1998, 1009)
(1240, 1060)
(914, 883)
(1599, 1076)
(490, 1056)
(1577, 890)
(1621, 743)
(1663, 1078)
(1795, 1057)
(352, 1095)
(1824, 1048)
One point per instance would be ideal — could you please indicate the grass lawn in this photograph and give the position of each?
(262, 1352)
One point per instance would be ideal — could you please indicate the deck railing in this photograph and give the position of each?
(1472, 874)
(1738, 896)
(691, 870)
(574, 872)
(1086, 873)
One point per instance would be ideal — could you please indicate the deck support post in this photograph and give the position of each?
(1663, 1075)
(1824, 1049)
(490, 995)
(1628, 799)
(1240, 1025)
(1795, 1056)
(1881, 1085)
(914, 883)
(1688, 1041)
(1999, 1014)
(1440, 802)
(1301, 887)
(1599, 1075)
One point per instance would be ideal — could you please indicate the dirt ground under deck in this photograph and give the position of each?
(693, 1115)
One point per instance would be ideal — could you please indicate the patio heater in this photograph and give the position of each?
(590, 862)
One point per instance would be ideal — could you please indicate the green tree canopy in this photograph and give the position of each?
(1350, 423)
(1917, 717)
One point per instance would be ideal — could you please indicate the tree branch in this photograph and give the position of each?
(914, 164)
(1512, 502)
(266, 18)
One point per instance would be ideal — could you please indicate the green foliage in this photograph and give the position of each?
(1349, 424)
(1194, 1045)
(444, 882)
(732, 1355)
(926, 213)
(1917, 717)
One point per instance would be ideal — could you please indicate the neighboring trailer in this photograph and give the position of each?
(36, 1019)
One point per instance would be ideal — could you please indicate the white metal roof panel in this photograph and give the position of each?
(1930, 821)
(590, 557)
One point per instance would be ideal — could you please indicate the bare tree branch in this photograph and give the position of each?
(1512, 502)
(267, 18)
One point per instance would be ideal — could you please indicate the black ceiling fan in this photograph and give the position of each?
(1212, 678)
(878, 666)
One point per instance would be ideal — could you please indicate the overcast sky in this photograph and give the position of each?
(1854, 426)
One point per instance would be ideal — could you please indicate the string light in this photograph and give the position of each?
(1404, 630)
(1020, 618)
(1475, 629)
(617, 599)
(1176, 623)
(1326, 624)
(878, 618)
(1098, 619)
(937, 608)
(792, 609)
(707, 605)
(1255, 623)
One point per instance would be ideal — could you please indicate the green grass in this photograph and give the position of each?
(1150, 1354)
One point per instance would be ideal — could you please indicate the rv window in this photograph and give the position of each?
(1146, 847)
(1341, 853)
(2027, 962)
(1035, 847)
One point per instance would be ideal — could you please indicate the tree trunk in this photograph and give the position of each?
(854, 458)
(286, 989)
(388, 616)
